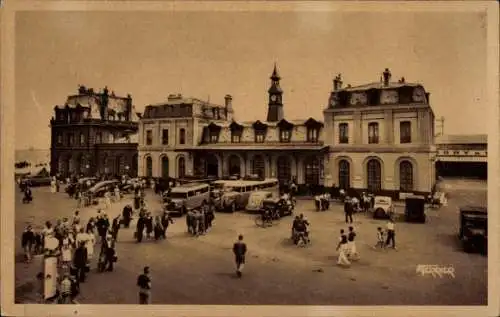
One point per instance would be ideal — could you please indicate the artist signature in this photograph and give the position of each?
(436, 270)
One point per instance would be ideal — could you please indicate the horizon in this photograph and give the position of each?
(444, 51)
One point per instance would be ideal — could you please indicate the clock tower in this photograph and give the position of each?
(275, 105)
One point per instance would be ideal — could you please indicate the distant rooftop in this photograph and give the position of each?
(462, 139)
(380, 85)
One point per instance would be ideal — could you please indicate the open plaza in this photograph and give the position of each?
(200, 270)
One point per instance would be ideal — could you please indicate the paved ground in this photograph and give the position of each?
(187, 270)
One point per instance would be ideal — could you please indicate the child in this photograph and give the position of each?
(380, 238)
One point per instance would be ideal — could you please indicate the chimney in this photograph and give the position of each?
(228, 101)
(337, 82)
(402, 80)
(387, 77)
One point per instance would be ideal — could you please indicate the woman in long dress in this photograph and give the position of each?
(66, 251)
(90, 245)
(53, 185)
(342, 248)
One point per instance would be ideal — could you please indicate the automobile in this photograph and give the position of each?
(415, 209)
(277, 204)
(100, 188)
(187, 197)
(382, 207)
(81, 182)
(473, 232)
(37, 180)
(256, 199)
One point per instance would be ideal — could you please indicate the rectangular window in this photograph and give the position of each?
(149, 137)
(214, 138)
(182, 136)
(343, 133)
(312, 135)
(82, 139)
(98, 138)
(235, 138)
(373, 133)
(59, 138)
(71, 139)
(405, 132)
(259, 137)
(164, 136)
(285, 135)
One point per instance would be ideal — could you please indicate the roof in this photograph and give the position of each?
(379, 85)
(251, 146)
(184, 187)
(184, 100)
(249, 124)
(462, 139)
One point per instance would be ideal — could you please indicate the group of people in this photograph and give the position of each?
(322, 201)
(199, 221)
(155, 228)
(347, 247)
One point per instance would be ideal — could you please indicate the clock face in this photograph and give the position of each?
(273, 98)
(389, 97)
(418, 95)
(358, 98)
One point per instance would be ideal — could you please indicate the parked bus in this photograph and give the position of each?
(188, 196)
(236, 193)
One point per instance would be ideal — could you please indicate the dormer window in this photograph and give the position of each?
(312, 135)
(285, 135)
(236, 132)
(260, 130)
(235, 138)
(260, 136)
(214, 137)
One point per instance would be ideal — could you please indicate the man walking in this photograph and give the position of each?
(391, 234)
(144, 284)
(80, 261)
(239, 250)
(348, 209)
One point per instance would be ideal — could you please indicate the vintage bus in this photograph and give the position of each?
(236, 193)
(186, 197)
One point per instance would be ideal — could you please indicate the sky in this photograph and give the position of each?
(210, 54)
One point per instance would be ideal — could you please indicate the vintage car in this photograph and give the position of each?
(100, 188)
(256, 199)
(382, 207)
(282, 207)
(473, 230)
(37, 180)
(415, 209)
(82, 183)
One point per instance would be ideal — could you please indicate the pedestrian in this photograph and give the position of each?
(111, 258)
(27, 242)
(127, 215)
(210, 214)
(53, 185)
(66, 251)
(117, 193)
(190, 222)
(239, 250)
(103, 226)
(352, 252)
(342, 249)
(76, 216)
(149, 225)
(380, 238)
(115, 227)
(80, 262)
(348, 210)
(140, 228)
(201, 221)
(107, 199)
(65, 290)
(89, 245)
(144, 284)
(166, 220)
(391, 234)
(158, 229)
(75, 284)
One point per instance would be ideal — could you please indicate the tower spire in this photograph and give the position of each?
(275, 106)
(275, 76)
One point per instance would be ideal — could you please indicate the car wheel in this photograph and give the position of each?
(379, 213)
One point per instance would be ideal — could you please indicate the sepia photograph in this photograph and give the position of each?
(272, 156)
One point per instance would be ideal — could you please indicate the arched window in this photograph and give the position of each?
(149, 166)
(312, 171)
(258, 166)
(164, 167)
(181, 168)
(406, 176)
(374, 175)
(182, 136)
(344, 175)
